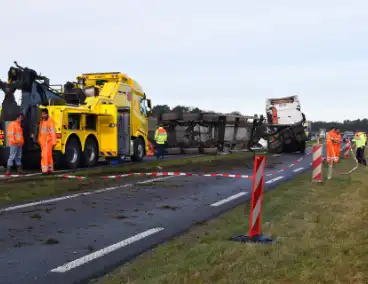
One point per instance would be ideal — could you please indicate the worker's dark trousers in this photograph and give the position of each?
(160, 151)
(360, 156)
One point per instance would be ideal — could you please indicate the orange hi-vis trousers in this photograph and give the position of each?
(337, 151)
(331, 154)
(47, 140)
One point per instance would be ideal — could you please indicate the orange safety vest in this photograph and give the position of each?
(47, 133)
(338, 138)
(15, 134)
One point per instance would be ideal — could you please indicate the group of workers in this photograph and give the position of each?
(46, 140)
(333, 146)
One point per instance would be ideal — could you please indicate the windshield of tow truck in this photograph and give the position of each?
(143, 107)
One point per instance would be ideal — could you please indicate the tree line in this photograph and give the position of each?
(346, 125)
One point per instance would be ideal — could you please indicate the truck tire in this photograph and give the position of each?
(231, 118)
(90, 153)
(170, 116)
(276, 148)
(191, 116)
(210, 151)
(210, 117)
(173, 151)
(191, 151)
(73, 153)
(138, 150)
(302, 147)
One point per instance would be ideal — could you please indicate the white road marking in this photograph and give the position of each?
(274, 179)
(223, 201)
(298, 170)
(310, 164)
(89, 257)
(268, 175)
(156, 179)
(58, 199)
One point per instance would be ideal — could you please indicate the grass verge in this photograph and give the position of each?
(322, 238)
(36, 187)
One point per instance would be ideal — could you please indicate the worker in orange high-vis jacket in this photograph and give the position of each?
(337, 145)
(47, 141)
(15, 140)
(330, 148)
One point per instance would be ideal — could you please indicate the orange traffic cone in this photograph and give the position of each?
(150, 151)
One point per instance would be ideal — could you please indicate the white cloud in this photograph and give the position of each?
(212, 54)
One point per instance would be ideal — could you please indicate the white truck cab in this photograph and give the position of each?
(284, 111)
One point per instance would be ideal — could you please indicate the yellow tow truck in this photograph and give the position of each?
(101, 115)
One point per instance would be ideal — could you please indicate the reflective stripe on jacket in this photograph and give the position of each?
(47, 132)
(15, 134)
(160, 135)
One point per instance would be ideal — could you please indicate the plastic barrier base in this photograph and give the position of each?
(255, 239)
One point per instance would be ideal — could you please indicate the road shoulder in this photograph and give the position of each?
(320, 231)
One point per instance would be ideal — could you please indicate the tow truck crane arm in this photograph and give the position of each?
(35, 92)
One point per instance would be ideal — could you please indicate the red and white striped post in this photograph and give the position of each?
(347, 148)
(317, 163)
(256, 205)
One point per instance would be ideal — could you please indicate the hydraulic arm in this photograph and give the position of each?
(35, 91)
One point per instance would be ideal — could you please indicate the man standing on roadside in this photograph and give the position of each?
(15, 140)
(47, 141)
(330, 140)
(360, 140)
(160, 138)
(337, 145)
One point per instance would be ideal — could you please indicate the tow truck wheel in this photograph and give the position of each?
(90, 154)
(302, 147)
(138, 150)
(72, 153)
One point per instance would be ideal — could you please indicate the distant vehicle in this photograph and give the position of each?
(348, 135)
(322, 133)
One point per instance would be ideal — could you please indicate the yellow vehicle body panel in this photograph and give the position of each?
(116, 92)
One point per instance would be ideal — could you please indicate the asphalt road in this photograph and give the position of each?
(71, 239)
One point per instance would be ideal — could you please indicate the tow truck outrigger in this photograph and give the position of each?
(101, 115)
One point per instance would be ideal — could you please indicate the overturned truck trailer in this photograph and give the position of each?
(192, 133)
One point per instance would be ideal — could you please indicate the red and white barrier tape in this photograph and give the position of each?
(158, 174)
(161, 174)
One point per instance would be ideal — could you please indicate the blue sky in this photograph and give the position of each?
(215, 55)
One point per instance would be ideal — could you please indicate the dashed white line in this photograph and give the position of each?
(58, 199)
(232, 197)
(87, 258)
(274, 179)
(298, 170)
(268, 175)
